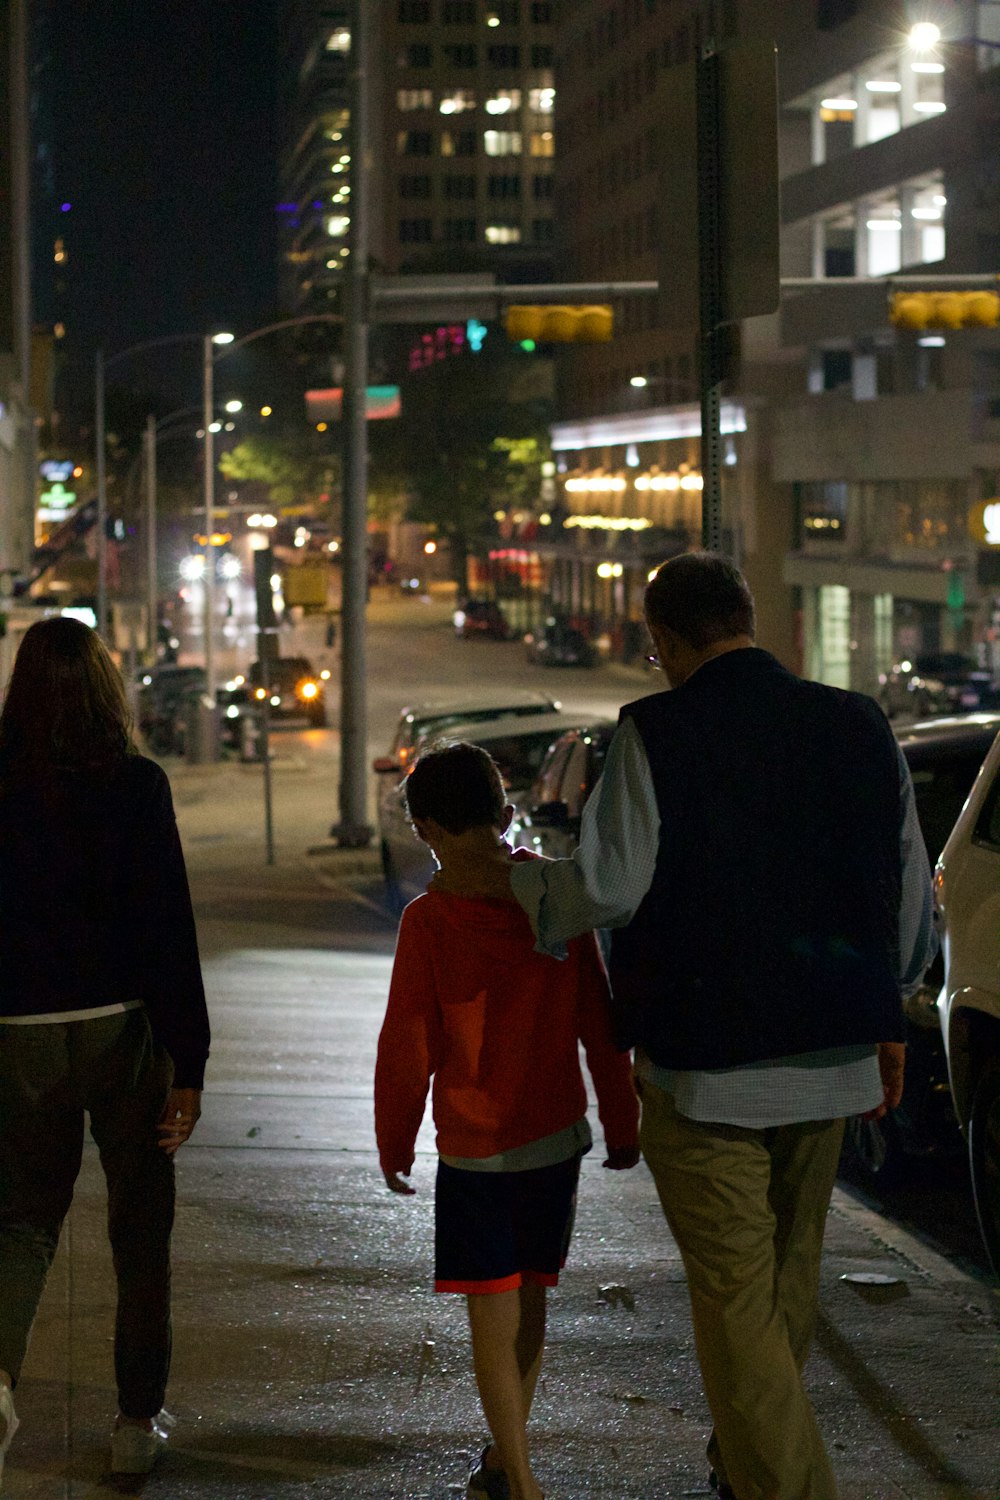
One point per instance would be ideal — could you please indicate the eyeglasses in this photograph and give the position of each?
(654, 661)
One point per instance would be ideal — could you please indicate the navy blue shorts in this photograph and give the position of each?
(493, 1231)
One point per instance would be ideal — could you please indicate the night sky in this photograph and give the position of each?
(158, 117)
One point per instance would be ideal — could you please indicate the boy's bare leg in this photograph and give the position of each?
(495, 1321)
(530, 1340)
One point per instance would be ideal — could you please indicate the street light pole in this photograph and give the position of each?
(101, 442)
(353, 830)
(152, 590)
(208, 383)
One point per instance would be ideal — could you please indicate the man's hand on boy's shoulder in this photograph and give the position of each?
(396, 1183)
(480, 875)
(620, 1158)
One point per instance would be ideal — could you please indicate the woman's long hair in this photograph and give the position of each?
(65, 708)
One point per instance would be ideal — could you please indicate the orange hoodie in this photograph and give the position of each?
(496, 1024)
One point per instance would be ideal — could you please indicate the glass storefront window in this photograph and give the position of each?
(834, 643)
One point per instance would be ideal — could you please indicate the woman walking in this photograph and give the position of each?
(102, 1008)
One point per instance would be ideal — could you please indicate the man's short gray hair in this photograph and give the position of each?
(701, 597)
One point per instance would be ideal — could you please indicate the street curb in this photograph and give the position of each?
(975, 1294)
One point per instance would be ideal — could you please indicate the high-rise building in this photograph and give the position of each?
(860, 455)
(315, 146)
(467, 136)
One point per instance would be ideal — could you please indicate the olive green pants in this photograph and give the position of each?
(748, 1210)
(49, 1075)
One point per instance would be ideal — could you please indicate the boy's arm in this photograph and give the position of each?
(611, 1070)
(407, 1051)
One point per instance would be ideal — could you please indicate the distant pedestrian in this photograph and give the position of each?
(754, 837)
(102, 1009)
(496, 1025)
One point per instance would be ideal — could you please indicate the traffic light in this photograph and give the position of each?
(557, 324)
(917, 310)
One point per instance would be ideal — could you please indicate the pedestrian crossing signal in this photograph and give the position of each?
(559, 324)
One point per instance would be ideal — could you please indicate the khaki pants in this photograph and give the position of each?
(748, 1209)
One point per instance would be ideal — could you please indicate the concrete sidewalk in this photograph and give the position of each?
(312, 1359)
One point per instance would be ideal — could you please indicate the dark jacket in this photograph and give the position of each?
(95, 907)
(771, 925)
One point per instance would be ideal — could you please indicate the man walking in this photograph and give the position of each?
(754, 839)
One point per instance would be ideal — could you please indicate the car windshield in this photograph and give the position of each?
(519, 756)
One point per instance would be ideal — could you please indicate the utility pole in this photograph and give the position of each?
(208, 417)
(20, 265)
(353, 830)
(152, 591)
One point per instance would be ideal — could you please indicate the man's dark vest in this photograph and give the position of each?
(771, 925)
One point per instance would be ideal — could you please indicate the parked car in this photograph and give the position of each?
(548, 816)
(518, 744)
(481, 619)
(558, 644)
(967, 890)
(940, 682)
(944, 756)
(419, 719)
(294, 689)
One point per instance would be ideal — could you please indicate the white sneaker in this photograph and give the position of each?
(134, 1450)
(8, 1422)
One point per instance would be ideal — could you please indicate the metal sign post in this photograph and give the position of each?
(353, 830)
(719, 205)
(707, 105)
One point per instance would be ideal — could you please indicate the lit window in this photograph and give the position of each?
(542, 101)
(457, 101)
(542, 143)
(338, 225)
(339, 40)
(927, 204)
(503, 234)
(503, 101)
(407, 99)
(502, 142)
(884, 238)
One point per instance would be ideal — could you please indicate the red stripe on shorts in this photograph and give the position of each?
(501, 1284)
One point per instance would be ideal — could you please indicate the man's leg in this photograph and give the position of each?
(41, 1144)
(803, 1170)
(714, 1183)
(128, 1088)
(495, 1321)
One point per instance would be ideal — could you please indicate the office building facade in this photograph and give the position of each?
(861, 457)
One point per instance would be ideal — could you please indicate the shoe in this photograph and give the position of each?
(8, 1422)
(722, 1490)
(487, 1484)
(134, 1450)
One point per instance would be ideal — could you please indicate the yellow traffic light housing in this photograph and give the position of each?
(559, 324)
(919, 310)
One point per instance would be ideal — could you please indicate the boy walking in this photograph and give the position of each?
(496, 1025)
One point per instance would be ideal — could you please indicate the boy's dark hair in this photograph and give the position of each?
(458, 785)
(702, 598)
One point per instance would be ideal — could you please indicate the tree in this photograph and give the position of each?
(475, 437)
(292, 474)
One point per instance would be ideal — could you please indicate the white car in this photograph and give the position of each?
(967, 892)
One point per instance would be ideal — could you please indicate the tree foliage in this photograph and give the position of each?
(291, 473)
(475, 440)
